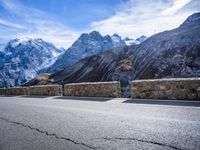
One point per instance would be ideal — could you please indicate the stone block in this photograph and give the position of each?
(46, 90)
(93, 89)
(2, 91)
(173, 88)
(16, 91)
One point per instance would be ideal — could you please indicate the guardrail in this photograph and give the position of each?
(45, 90)
(93, 89)
(174, 88)
(2, 91)
(16, 91)
(89, 89)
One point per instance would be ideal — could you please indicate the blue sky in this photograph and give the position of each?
(62, 21)
(75, 13)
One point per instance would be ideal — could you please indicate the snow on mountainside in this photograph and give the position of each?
(2, 46)
(140, 40)
(22, 58)
(117, 41)
(86, 45)
(137, 41)
(129, 41)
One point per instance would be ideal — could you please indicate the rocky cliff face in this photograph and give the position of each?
(86, 45)
(174, 53)
(22, 58)
(112, 65)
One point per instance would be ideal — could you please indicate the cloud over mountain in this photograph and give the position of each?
(136, 17)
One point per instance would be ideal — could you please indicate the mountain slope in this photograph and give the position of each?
(22, 58)
(172, 53)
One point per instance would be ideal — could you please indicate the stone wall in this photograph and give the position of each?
(177, 88)
(16, 91)
(93, 89)
(46, 90)
(2, 91)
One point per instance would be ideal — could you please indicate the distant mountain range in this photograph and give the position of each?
(22, 59)
(88, 45)
(168, 54)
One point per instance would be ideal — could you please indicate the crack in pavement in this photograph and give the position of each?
(49, 134)
(83, 144)
(144, 141)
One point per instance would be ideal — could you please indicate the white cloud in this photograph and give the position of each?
(177, 4)
(37, 24)
(11, 24)
(135, 17)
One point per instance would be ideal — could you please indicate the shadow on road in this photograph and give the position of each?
(33, 96)
(8, 95)
(99, 99)
(164, 102)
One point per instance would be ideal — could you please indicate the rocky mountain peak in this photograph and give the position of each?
(192, 19)
(117, 41)
(127, 39)
(143, 36)
(140, 39)
(88, 44)
(116, 35)
(95, 33)
(23, 58)
(26, 41)
(87, 37)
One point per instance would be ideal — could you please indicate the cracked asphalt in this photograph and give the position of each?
(72, 123)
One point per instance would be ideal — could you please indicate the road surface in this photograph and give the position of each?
(70, 123)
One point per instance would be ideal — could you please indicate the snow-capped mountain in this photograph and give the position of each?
(140, 40)
(137, 41)
(86, 45)
(129, 41)
(22, 58)
(117, 40)
(2, 46)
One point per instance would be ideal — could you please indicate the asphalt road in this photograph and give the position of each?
(67, 123)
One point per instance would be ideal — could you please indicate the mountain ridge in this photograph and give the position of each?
(86, 45)
(22, 58)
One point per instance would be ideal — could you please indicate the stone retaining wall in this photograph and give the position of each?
(46, 90)
(177, 88)
(2, 91)
(93, 89)
(16, 91)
